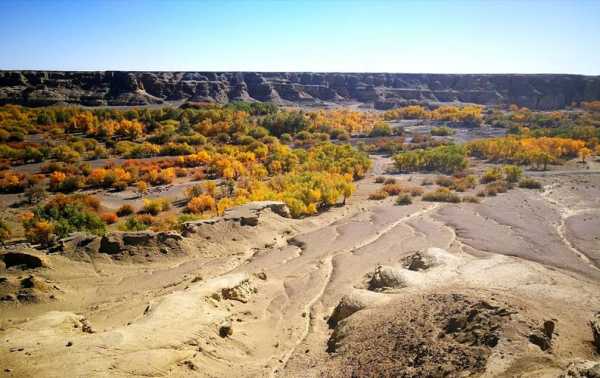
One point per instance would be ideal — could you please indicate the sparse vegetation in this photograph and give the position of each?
(529, 183)
(403, 199)
(441, 195)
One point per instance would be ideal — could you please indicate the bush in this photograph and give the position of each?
(512, 173)
(63, 215)
(155, 206)
(5, 232)
(120, 185)
(125, 210)
(379, 179)
(194, 191)
(108, 218)
(35, 194)
(444, 181)
(445, 159)
(465, 183)
(441, 195)
(471, 199)
(137, 223)
(491, 175)
(442, 131)
(382, 129)
(378, 195)
(394, 189)
(426, 182)
(529, 183)
(200, 204)
(496, 187)
(403, 199)
(416, 191)
(390, 180)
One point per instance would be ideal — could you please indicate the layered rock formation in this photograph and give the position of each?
(381, 90)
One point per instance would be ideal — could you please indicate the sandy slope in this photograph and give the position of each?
(517, 260)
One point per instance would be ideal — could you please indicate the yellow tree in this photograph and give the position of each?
(584, 153)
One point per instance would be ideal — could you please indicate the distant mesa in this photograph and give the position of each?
(378, 90)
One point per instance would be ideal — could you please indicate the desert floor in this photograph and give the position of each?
(506, 287)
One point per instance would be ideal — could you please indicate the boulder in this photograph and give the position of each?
(141, 245)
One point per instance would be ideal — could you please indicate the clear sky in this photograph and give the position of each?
(351, 36)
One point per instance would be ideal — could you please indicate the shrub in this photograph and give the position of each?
(35, 194)
(441, 195)
(5, 232)
(512, 173)
(200, 204)
(155, 206)
(198, 174)
(445, 159)
(390, 180)
(40, 231)
(491, 175)
(471, 199)
(379, 179)
(125, 210)
(120, 185)
(403, 199)
(427, 181)
(416, 191)
(465, 183)
(378, 195)
(529, 183)
(496, 187)
(138, 222)
(442, 131)
(63, 215)
(393, 189)
(12, 182)
(194, 191)
(108, 218)
(381, 129)
(444, 181)
(141, 187)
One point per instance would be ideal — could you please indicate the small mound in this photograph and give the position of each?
(387, 277)
(417, 262)
(432, 335)
(349, 304)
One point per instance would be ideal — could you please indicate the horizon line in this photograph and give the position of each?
(292, 71)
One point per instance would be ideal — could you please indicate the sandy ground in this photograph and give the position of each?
(332, 295)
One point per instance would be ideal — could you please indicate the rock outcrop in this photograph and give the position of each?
(245, 215)
(381, 90)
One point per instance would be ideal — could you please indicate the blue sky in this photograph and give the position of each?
(348, 36)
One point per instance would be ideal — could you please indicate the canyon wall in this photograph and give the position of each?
(380, 90)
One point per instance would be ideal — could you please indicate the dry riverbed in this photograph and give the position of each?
(506, 287)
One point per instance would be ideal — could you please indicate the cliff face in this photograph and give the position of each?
(38, 88)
